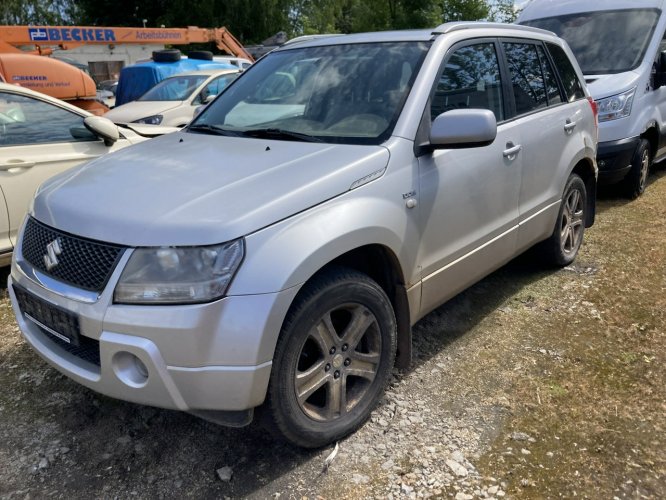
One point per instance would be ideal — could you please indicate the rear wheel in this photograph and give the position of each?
(333, 359)
(563, 245)
(636, 179)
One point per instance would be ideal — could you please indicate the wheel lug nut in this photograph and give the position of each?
(327, 367)
(345, 347)
(332, 351)
(347, 362)
(336, 374)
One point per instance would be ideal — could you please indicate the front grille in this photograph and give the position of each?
(87, 350)
(50, 317)
(81, 262)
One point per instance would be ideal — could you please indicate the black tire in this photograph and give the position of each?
(563, 245)
(353, 371)
(166, 55)
(204, 55)
(636, 179)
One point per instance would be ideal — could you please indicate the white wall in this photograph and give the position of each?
(127, 53)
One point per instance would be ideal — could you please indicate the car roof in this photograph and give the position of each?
(16, 89)
(474, 28)
(206, 72)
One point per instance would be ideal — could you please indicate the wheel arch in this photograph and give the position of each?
(651, 133)
(330, 236)
(382, 266)
(586, 170)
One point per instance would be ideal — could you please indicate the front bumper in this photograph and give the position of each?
(614, 159)
(214, 356)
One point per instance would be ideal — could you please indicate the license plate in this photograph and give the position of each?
(54, 320)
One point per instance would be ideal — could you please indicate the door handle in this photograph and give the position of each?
(511, 151)
(18, 164)
(569, 126)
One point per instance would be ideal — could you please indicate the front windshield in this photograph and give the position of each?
(175, 88)
(605, 41)
(342, 93)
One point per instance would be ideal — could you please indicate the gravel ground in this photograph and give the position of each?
(534, 383)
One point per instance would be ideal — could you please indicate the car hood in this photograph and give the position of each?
(601, 86)
(148, 130)
(136, 110)
(192, 189)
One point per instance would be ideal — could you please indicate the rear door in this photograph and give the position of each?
(549, 125)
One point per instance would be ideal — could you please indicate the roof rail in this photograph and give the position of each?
(307, 38)
(445, 28)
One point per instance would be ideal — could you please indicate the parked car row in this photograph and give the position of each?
(41, 136)
(272, 255)
(173, 101)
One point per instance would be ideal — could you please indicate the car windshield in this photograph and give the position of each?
(342, 94)
(606, 41)
(175, 88)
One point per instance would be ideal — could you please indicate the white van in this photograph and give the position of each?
(621, 48)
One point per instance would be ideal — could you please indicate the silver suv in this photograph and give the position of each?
(274, 254)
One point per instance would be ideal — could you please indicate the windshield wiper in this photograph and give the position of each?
(278, 133)
(214, 129)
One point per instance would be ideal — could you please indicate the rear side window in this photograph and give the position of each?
(470, 79)
(573, 89)
(552, 88)
(527, 80)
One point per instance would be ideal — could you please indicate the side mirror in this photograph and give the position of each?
(198, 110)
(463, 128)
(660, 76)
(103, 128)
(209, 98)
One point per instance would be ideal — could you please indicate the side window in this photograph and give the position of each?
(24, 120)
(573, 89)
(470, 79)
(214, 87)
(552, 89)
(527, 79)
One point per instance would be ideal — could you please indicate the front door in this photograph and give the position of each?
(468, 197)
(38, 139)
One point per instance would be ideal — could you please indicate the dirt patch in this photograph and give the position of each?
(534, 383)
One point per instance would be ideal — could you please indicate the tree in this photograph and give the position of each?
(502, 11)
(39, 12)
(465, 10)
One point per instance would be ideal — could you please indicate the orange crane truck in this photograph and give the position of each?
(59, 79)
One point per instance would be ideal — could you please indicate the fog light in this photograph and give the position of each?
(601, 163)
(130, 369)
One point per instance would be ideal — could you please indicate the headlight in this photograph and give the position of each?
(617, 106)
(180, 275)
(150, 120)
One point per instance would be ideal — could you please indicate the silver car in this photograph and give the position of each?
(273, 256)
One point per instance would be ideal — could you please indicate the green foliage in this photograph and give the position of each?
(465, 10)
(502, 11)
(47, 12)
(252, 21)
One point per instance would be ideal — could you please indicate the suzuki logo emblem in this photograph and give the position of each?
(53, 249)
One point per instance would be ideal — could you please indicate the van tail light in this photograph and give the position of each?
(595, 111)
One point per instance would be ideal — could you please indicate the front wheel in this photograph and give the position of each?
(636, 180)
(333, 359)
(563, 245)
